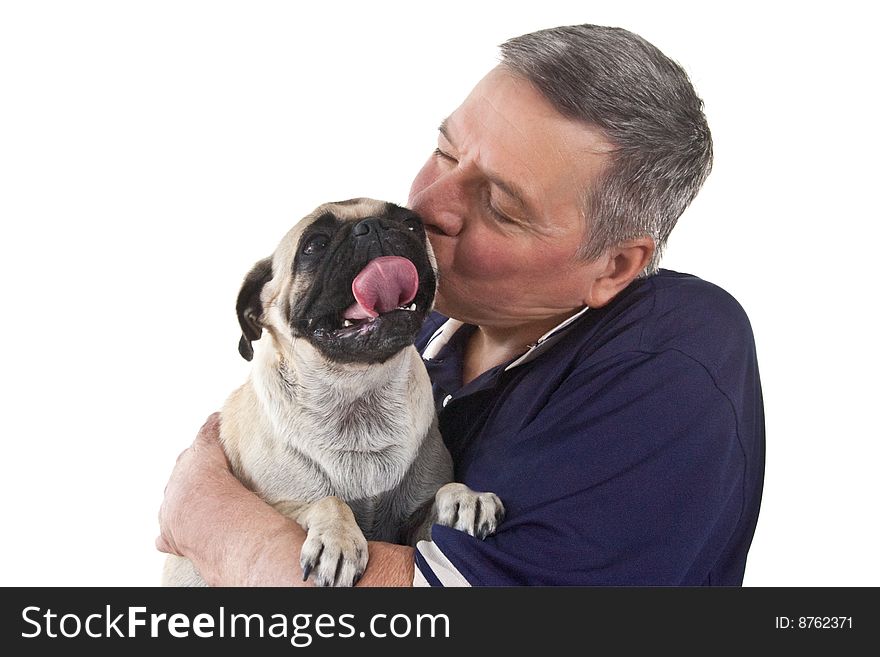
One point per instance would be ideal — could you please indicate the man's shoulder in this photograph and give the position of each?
(686, 292)
(693, 315)
(668, 312)
(667, 315)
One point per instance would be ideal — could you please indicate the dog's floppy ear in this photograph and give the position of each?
(250, 308)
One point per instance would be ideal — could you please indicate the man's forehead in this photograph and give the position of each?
(518, 109)
(522, 138)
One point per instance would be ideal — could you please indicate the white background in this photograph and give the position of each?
(150, 152)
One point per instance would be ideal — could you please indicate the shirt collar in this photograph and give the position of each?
(444, 334)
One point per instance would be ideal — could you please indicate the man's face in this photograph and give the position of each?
(502, 201)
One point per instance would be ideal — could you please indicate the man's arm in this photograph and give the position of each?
(234, 538)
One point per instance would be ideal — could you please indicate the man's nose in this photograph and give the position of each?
(443, 205)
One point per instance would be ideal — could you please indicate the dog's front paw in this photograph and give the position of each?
(459, 507)
(335, 549)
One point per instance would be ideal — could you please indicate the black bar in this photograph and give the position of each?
(608, 620)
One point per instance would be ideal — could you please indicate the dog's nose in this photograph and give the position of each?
(367, 226)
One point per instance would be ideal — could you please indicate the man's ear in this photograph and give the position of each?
(622, 264)
(250, 308)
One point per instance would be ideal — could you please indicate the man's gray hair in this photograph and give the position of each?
(644, 104)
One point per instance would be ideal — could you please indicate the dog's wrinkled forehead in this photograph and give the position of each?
(352, 210)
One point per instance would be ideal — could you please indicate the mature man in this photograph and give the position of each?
(615, 408)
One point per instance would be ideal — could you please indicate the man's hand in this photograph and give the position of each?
(229, 533)
(201, 470)
(234, 538)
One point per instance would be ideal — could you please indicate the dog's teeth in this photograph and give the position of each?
(347, 323)
(413, 307)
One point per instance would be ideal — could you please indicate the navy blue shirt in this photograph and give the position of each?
(627, 446)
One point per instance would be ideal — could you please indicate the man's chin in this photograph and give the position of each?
(453, 310)
(442, 306)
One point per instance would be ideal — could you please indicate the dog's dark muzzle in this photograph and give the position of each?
(377, 289)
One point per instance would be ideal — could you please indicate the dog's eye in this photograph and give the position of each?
(413, 223)
(315, 244)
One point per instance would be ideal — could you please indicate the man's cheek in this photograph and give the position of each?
(480, 259)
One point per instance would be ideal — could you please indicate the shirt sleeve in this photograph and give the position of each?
(628, 473)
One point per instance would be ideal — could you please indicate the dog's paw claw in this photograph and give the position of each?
(477, 514)
(334, 556)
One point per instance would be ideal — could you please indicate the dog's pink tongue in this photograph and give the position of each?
(384, 284)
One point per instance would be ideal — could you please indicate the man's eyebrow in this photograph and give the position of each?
(509, 188)
(444, 129)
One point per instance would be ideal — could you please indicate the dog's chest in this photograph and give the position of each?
(362, 449)
(377, 518)
(349, 452)
(330, 432)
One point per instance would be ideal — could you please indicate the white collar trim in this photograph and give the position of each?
(444, 334)
(440, 338)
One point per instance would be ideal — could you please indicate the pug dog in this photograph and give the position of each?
(335, 425)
